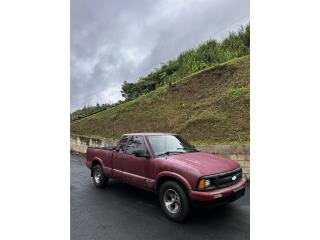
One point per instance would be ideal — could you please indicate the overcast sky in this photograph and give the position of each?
(117, 40)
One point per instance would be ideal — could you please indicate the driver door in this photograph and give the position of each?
(135, 167)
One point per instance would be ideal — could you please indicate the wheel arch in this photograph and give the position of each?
(167, 176)
(95, 161)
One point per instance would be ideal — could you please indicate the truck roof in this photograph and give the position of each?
(149, 134)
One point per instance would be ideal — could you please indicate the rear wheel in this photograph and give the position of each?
(174, 201)
(99, 179)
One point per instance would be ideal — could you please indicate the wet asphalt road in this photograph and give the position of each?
(124, 212)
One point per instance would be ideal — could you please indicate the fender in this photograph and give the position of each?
(177, 176)
(97, 159)
(89, 163)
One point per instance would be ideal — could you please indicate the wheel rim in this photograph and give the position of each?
(172, 201)
(97, 176)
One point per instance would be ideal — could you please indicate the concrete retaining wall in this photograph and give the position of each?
(237, 152)
(79, 144)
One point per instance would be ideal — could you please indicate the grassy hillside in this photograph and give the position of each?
(207, 54)
(211, 106)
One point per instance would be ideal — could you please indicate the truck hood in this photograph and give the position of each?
(204, 163)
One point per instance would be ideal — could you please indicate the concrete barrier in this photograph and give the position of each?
(79, 144)
(237, 152)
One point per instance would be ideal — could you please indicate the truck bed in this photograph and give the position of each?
(101, 154)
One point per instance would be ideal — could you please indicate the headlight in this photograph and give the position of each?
(204, 184)
(207, 183)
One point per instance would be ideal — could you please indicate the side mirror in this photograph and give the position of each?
(140, 153)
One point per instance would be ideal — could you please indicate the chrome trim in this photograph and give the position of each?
(135, 175)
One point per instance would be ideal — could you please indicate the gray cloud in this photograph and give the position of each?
(117, 40)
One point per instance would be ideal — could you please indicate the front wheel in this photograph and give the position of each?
(99, 179)
(174, 201)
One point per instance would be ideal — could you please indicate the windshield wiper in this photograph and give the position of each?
(168, 152)
(189, 149)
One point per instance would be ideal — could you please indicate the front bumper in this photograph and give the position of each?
(234, 191)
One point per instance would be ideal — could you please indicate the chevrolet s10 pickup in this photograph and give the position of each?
(169, 166)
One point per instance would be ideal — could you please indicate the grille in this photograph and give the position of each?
(222, 180)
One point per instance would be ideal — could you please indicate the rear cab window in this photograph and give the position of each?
(122, 144)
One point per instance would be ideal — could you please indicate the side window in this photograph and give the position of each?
(136, 143)
(122, 144)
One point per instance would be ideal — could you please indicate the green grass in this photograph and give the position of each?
(209, 53)
(210, 106)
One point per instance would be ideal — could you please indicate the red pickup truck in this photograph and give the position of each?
(166, 164)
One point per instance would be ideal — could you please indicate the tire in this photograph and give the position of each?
(99, 179)
(174, 201)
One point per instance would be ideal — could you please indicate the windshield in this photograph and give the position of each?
(169, 144)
